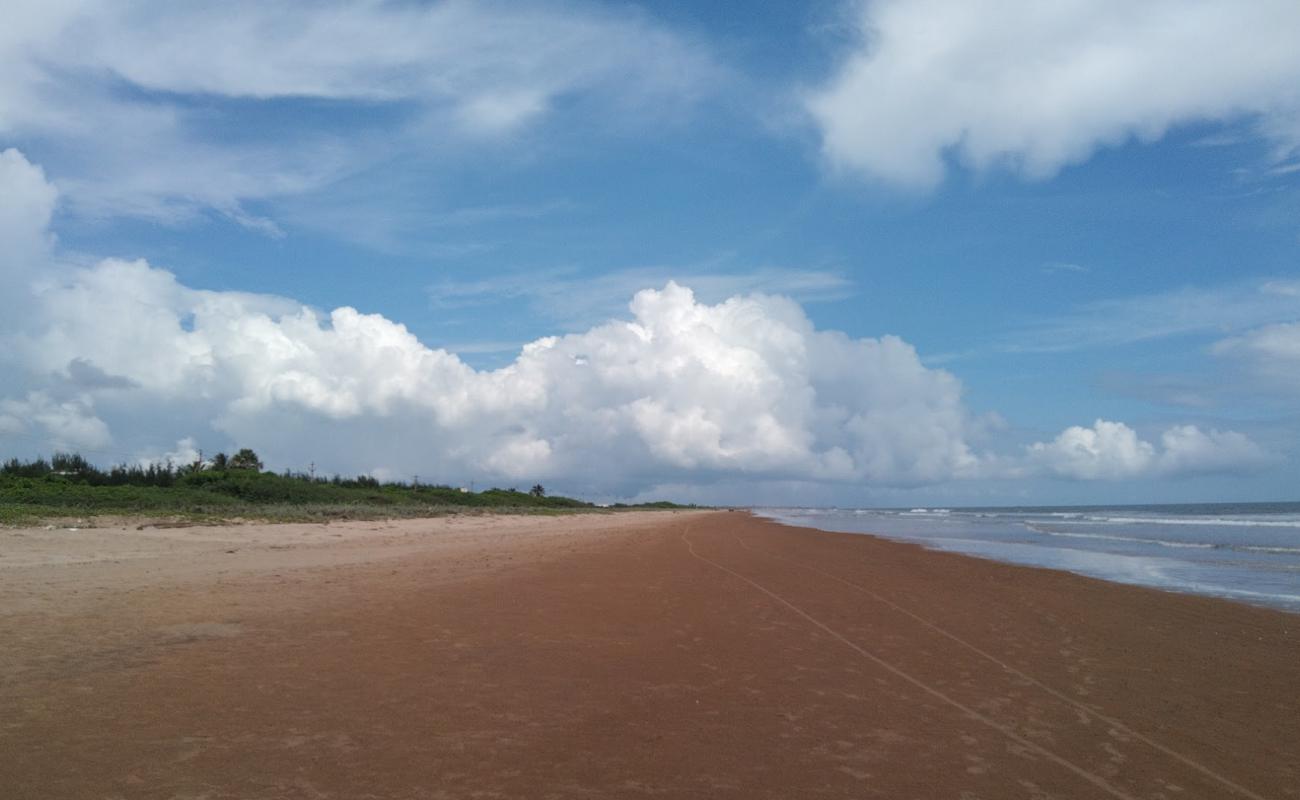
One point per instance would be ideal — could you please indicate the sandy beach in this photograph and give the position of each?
(656, 654)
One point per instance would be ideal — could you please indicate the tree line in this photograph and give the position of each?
(202, 473)
(74, 467)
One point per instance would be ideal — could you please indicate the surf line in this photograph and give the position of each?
(1095, 780)
(1114, 723)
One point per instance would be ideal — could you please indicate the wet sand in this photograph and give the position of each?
(637, 655)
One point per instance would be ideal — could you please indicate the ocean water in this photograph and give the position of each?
(1248, 552)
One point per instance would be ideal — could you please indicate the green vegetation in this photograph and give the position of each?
(235, 487)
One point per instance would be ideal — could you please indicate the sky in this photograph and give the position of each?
(827, 253)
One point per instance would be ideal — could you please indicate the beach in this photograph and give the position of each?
(645, 654)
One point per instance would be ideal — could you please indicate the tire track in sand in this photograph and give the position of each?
(1090, 777)
(1081, 707)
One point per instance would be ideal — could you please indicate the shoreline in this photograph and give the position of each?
(679, 654)
(1171, 590)
(1224, 568)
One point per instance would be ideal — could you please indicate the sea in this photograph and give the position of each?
(1248, 552)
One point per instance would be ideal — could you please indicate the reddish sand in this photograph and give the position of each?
(662, 655)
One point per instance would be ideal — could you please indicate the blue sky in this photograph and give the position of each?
(917, 255)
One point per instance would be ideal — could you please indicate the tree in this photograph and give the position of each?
(245, 459)
(220, 461)
(538, 490)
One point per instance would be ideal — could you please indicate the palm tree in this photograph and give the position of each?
(538, 490)
(245, 459)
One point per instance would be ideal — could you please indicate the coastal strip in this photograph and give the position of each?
(667, 654)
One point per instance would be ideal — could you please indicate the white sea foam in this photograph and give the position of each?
(1106, 537)
(1229, 522)
(1231, 553)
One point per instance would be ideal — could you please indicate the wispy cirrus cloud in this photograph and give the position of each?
(574, 298)
(1055, 267)
(140, 109)
(1245, 337)
(400, 222)
(1270, 355)
(1187, 311)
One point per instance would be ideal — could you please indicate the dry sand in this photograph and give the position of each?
(650, 654)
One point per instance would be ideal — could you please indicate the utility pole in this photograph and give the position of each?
(312, 469)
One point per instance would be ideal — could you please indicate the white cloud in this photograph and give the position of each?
(107, 89)
(66, 425)
(1106, 450)
(29, 203)
(1187, 450)
(1054, 267)
(681, 390)
(186, 452)
(743, 387)
(746, 386)
(1113, 451)
(498, 63)
(1035, 86)
(1270, 354)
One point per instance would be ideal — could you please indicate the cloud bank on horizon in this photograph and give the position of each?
(747, 388)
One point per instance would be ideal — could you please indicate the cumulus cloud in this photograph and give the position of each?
(1188, 450)
(28, 203)
(742, 387)
(66, 424)
(678, 390)
(746, 386)
(25, 213)
(1113, 450)
(186, 452)
(1037, 86)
